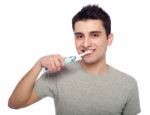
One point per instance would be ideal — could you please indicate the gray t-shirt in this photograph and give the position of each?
(77, 92)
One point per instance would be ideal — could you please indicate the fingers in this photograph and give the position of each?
(53, 63)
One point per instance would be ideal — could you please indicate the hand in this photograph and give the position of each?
(53, 63)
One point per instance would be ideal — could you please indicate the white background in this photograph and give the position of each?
(30, 29)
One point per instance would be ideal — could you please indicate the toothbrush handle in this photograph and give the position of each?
(67, 60)
(70, 59)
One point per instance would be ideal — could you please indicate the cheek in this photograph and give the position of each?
(77, 44)
(77, 47)
(102, 46)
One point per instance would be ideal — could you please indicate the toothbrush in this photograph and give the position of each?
(72, 59)
(75, 58)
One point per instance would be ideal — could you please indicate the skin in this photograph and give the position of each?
(89, 35)
(24, 95)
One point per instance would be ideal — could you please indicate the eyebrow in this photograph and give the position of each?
(91, 32)
(78, 33)
(95, 32)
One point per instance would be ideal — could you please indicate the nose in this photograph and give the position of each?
(86, 42)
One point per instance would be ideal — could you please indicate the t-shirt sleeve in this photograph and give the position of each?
(45, 86)
(133, 103)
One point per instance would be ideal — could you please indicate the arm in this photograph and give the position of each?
(23, 95)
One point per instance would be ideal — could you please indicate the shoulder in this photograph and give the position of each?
(123, 77)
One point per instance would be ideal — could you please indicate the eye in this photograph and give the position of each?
(95, 35)
(79, 36)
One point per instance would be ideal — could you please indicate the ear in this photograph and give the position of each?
(110, 39)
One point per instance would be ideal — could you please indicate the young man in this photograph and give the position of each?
(86, 87)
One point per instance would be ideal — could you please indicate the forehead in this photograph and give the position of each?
(89, 25)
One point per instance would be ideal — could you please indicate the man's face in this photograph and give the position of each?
(91, 35)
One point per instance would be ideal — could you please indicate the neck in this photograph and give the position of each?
(95, 68)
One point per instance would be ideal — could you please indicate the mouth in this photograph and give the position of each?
(91, 51)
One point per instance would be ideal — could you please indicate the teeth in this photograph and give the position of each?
(87, 52)
(91, 50)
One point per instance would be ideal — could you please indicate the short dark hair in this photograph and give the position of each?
(93, 12)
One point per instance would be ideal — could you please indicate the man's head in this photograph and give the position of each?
(93, 12)
(92, 30)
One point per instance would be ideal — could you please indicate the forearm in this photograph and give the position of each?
(24, 88)
(23, 94)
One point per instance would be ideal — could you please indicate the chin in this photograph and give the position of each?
(88, 61)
